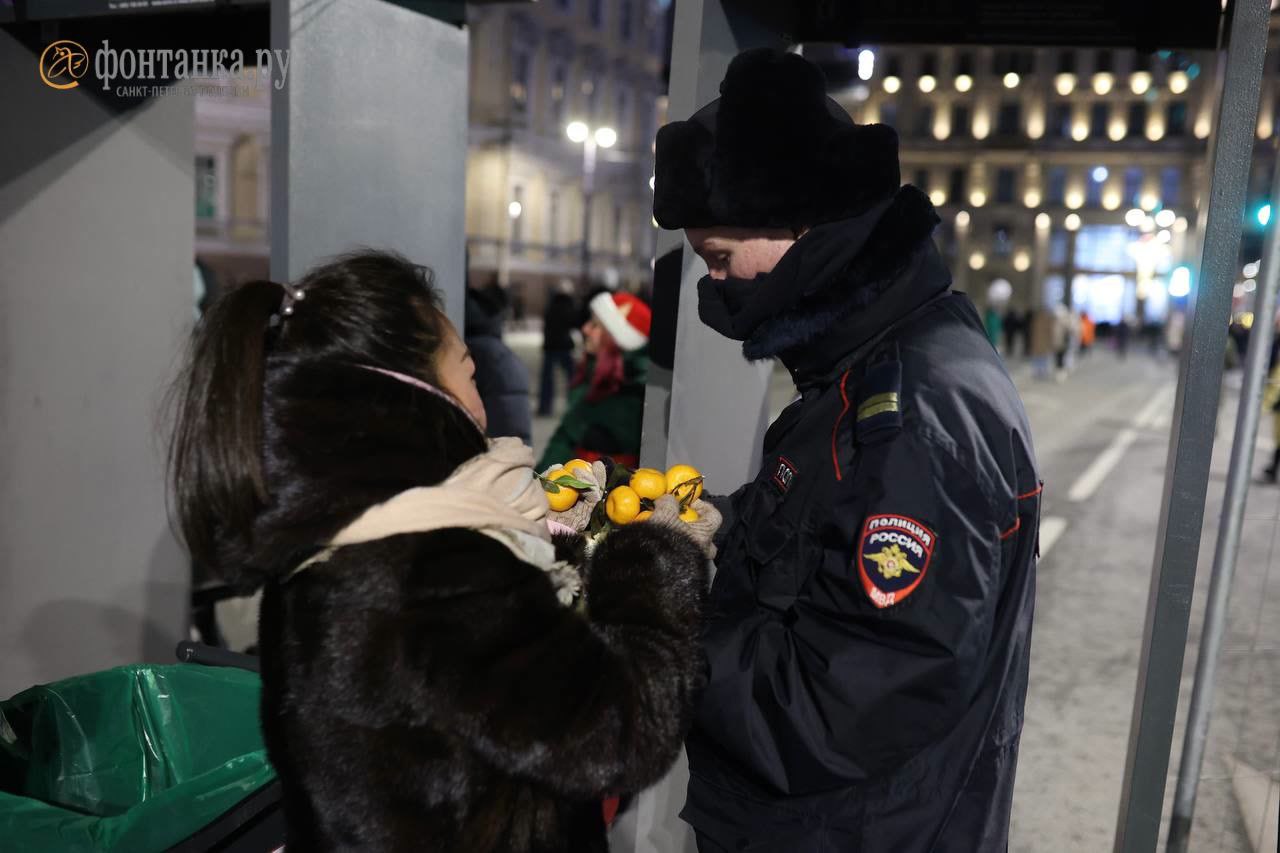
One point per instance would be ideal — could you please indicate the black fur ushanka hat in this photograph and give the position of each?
(773, 151)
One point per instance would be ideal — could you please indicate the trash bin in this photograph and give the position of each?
(137, 758)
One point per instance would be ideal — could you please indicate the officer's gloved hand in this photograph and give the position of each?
(578, 516)
(666, 511)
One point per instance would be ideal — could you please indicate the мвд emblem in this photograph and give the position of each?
(893, 556)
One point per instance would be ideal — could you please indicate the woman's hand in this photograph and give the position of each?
(666, 511)
(578, 516)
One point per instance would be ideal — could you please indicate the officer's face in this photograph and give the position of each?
(741, 252)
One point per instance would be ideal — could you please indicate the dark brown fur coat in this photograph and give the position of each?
(427, 692)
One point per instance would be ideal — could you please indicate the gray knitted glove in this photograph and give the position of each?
(704, 529)
(578, 516)
(666, 511)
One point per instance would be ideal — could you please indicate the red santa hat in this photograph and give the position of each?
(625, 317)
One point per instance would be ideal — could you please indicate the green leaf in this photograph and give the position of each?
(575, 483)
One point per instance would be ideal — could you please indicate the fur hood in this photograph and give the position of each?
(339, 439)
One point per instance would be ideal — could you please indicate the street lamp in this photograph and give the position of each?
(602, 137)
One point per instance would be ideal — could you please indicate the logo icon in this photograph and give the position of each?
(891, 562)
(785, 475)
(63, 63)
(893, 557)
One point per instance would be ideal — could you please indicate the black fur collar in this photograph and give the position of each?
(339, 439)
(860, 273)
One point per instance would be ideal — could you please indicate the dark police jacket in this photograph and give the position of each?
(871, 615)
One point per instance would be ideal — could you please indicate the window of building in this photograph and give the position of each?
(1060, 121)
(1104, 248)
(624, 20)
(206, 187)
(1002, 239)
(622, 113)
(1176, 119)
(893, 66)
(564, 5)
(1058, 253)
(595, 13)
(1006, 185)
(960, 121)
(1017, 61)
(658, 34)
(1170, 186)
(591, 99)
(922, 179)
(1104, 61)
(924, 122)
(889, 114)
(1132, 185)
(517, 222)
(1056, 184)
(964, 64)
(1067, 62)
(1099, 113)
(956, 183)
(521, 63)
(1009, 119)
(559, 94)
(553, 219)
(1093, 192)
(1137, 119)
(929, 63)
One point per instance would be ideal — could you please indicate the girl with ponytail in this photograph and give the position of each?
(439, 673)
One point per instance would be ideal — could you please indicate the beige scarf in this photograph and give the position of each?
(495, 494)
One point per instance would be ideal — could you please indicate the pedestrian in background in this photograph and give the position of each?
(1040, 341)
(558, 322)
(501, 377)
(1061, 340)
(1271, 403)
(606, 401)
(1088, 333)
(994, 324)
(1123, 329)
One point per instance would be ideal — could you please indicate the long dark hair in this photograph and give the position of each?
(366, 307)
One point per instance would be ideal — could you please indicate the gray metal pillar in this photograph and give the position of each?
(712, 410)
(97, 246)
(369, 138)
(1228, 547)
(1190, 449)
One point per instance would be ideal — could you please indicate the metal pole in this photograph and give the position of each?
(1228, 547)
(588, 187)
(1190, 449)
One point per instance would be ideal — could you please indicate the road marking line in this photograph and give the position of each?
(1088, 482)
(1051, 528)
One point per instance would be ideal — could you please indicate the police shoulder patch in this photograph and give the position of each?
(893, 556)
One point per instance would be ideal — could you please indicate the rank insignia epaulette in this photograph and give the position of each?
(879, 401)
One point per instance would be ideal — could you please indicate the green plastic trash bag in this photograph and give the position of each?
(131, 759)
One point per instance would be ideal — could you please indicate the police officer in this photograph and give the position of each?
(871, 614)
